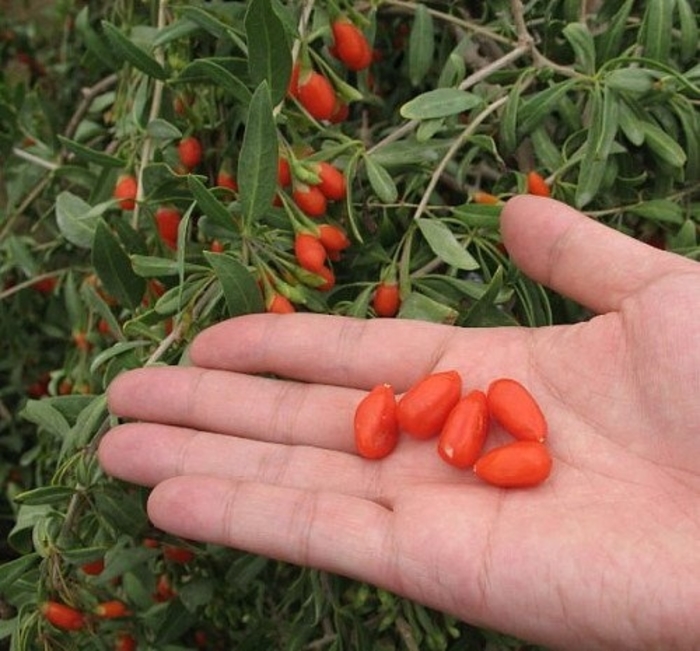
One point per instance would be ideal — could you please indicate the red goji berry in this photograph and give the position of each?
(485, 198)
(328, 276)
(125, 642)
(464, 433)
(279, 304)
(224, 179)
(333, 238)
(340, 112)
(351, 45)
(386, 300)
(375, 424)
(94, 568)
(284, 172)
(167, 223)
(190, 151)
(177, 554)
(424, 408)
(520, 464)
(317, 95)
(332, 183)
(537, 185)
(62, 616)
(310, 200)
(293, 85)
(164, 590)
(309, 252)
(112, 609)
(514, 407)
(45, 285)
(125, 191)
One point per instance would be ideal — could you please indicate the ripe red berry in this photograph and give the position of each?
(112, 609)
(521, 464)
(167, 223)
(224, 179)
(340, 112)
(514, 407)
(190, 152)
(94, 568)
(386, 300)
(333, 238)
(537, 185)
(177, 554)
(310, 200)
(284, 172)
(125, 642)
(278, 304)
(62, 616)
(316, 94)
(375, 424)
(328, 276)
(309, 252)
(125, 191)
(351, 45)
(293, 86)
(45, 285)
(464, 433)
(332, 181)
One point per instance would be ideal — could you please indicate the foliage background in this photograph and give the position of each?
(596, 96)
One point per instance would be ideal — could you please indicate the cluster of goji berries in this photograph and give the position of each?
(435, 407)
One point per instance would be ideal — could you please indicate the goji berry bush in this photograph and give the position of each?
(167, 165)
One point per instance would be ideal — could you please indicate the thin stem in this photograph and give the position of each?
(89, 94)
(36, 160)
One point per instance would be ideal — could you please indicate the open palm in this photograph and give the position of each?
(604, 555)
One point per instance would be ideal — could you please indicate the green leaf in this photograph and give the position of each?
(421, 45)
(445, 245)
(113, 266)
(257, 163)
(116, 350)
(631, 80)
(663, 145)
(420, 307)
(125, 49)
(86, 425)
(210, 205)
(631, 117)
(205, 20)
(655, 34)
(690, 121)
(14, 569)
(43, 414)
(269, 56)
(538, 106)
(439, 103)
(659, 210)
(45, 495)
(581, 40)
(90, 155)
(601, 136)
(238, 283)
(28, 516)
(76, 219)
(689, 30)
(609, 40)
(381, 181)
(217, 74)
(163, 130)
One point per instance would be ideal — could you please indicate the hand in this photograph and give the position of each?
(604, 555)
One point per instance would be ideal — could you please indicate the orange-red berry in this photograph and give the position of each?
(125, 191)
(350, 45)
(317, 95)
(386, 300)
(309, 252)
(310, 200)
(190, 152)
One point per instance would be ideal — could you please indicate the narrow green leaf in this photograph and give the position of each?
(257, 163)
(601, 136)
(439, 103)
(132, 53)
(240, 288)
(210, 205)
(546, 152)
(422, 308)
(421, 45)
(609, 40)
(28, 516)
(163, 130)
(581, 41)
(689, 30)
(381, 181)
(630, 118)
(205, 20)
(86, 425)
(663, 145)
(655, 33)
(45, 495)
(217, 74)
(116, 350)
(631, 80)
(690, 121)
(269, 56)
(14, 569)
(533, 111)
(659, 210)
(508, 124)
(90, 155)
(43, 414)
(113, 267)
(76, 219)
(445, 245)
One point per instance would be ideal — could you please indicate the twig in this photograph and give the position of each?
(89, 94)
(37, 160)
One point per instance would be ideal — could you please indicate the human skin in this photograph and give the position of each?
(604, 555)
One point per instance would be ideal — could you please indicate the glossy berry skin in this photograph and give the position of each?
(332, 183)
(113, 609)
(167, 223)
(521, 464)
(537, 185)
(424, 408)
(125, 191)
(309, 252)
(333, 238)
(278, 304)
(310, 199)
(62, 616)
(316, 94)
(190, 152)
(464, 433)
(350, 45)
(328, 276)
(386, 299)
(293, 85)
(284, 172)
(515, 409)
(375, 425)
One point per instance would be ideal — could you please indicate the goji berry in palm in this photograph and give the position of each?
(424, 408)
(375, 424)
(464, 433)
(521, 464)
(514, 407)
